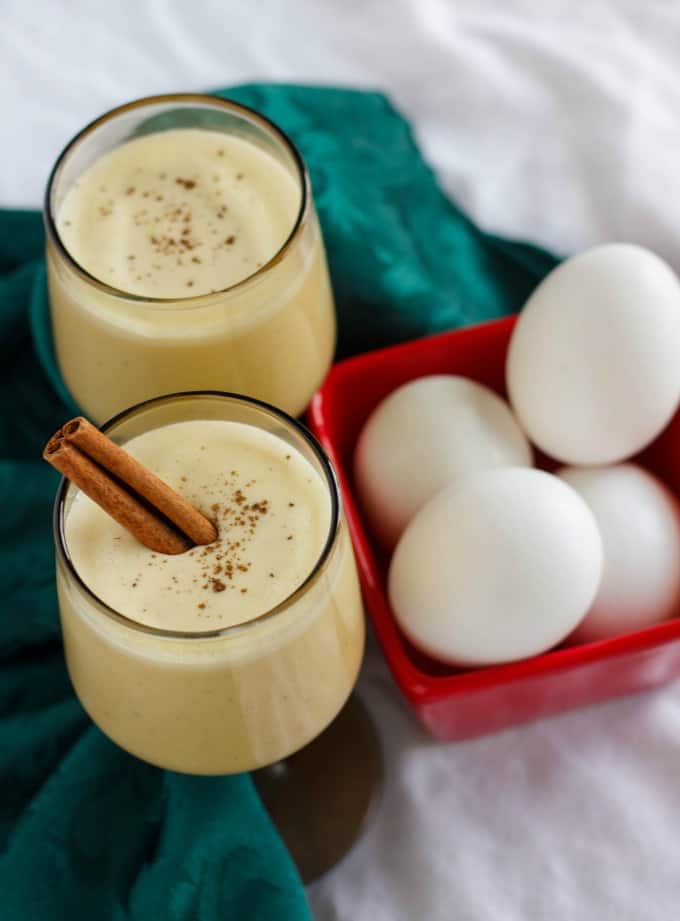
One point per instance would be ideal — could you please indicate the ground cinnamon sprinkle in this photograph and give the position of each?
(223, 565)
(166, 239)
(235, 508)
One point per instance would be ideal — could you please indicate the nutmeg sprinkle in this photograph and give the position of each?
(271, 524)
(177, 200)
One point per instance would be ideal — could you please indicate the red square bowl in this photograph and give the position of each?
(455, 703)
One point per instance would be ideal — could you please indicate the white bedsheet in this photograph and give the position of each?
(557, 122)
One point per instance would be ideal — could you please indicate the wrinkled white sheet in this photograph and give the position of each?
(557, 122)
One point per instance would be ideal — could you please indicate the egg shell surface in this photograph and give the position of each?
(495, 568)
(422, 437)
(639, 520)
(593, 368)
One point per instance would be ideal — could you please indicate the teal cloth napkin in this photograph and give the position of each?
(86, 830)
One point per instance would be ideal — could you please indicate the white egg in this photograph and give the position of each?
(422, 437)
(497, 567)
(593, 370)
(639, 520)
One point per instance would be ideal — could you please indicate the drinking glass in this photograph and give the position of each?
(220, 701)
(269, 336)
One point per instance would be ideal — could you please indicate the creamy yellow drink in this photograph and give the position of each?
(196, 675)
(187, 259)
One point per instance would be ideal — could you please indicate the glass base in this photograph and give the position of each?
(320, 797)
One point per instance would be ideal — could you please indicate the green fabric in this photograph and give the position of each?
(87, 831)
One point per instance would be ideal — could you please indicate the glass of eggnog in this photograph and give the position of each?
(230, 656)
(184, 253)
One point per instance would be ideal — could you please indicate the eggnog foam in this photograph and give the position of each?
(273, 517)
(178, 213)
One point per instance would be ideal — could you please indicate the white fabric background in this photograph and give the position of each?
(554, 121)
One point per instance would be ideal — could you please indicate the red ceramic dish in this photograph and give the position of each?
(458, 704)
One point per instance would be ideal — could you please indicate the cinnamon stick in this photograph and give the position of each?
(131, 494)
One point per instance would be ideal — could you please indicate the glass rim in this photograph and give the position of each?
(317, 569)
(204, 99)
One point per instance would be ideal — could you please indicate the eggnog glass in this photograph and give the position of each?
(264, 327)
(217, 701)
